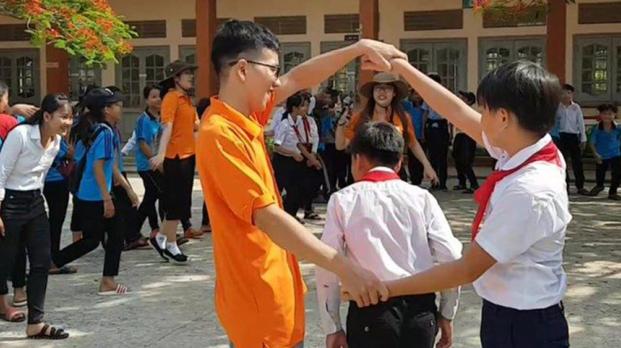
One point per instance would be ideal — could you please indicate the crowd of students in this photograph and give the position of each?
(386, 245)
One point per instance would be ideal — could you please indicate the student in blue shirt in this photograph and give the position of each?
(606, 146)
(413, 106)
(56, 192)
(148, 129)
(94, 198)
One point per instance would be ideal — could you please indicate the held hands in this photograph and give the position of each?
(362, 286)
(23, 109)
(157, 161)
(336, 340)
(133, 198)
(377, 55)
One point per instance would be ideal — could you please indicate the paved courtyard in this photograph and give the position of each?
(173, 305)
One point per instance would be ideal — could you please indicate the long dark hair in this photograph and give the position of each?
(395, 108)
(295, 101)
(50, 104)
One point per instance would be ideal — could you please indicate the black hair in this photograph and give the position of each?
(435, 76)
(295, 101)
(380, 142)
(114, 89)
(50, 103)
(202, 105)
(607, 107)
(525, 89)
(237, 37)
(568, 87)
(147, 90)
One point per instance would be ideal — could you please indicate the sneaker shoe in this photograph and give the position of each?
(596, 190)
(157, 248)
(177, 258)
(583, 192)
(614, 197)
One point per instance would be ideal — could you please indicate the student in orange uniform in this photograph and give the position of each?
(176, 154)
(259, 288)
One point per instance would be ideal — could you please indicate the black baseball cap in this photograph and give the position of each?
(100, 97)
(470, 97)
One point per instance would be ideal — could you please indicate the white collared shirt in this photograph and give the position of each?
(571, 120)
(392, 228)
(24, 162)
(524, 231)
(286, 137)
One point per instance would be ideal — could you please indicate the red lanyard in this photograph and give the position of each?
(306, 130)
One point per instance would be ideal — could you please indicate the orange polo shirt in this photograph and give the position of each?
(259, 287)
(356, 121)
(177, 109)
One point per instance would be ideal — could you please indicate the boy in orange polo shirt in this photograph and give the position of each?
(259, 288)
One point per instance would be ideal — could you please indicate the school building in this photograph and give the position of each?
(579, 42)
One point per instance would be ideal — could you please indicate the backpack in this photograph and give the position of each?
(76, 173)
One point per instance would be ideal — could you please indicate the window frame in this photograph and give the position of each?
(613, 43)
(513, 44)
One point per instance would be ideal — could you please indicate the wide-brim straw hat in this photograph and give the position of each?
(401, 88)
(175, 68)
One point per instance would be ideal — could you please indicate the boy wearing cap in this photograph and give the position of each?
(396, 229)
(516, 257)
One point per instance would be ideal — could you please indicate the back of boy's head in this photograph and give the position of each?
(525, 89)
(236, 39)
(607, 107)
(380, 142)
(435, 76)
(568, 87)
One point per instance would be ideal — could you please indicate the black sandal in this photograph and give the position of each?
(55, 334)
(312, 216)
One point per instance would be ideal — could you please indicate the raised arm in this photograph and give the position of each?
(320, 68)
(440, 99)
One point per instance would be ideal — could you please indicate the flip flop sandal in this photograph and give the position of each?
(193, 234)
(14, 316)
(120, 290)
(55, 334)
(312, 216)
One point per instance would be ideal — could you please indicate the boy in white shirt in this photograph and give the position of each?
(396, 230)
(515, 259)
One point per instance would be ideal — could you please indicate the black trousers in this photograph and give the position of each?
(26, 228)
(401, 322)
(312, 179)
(615, 167)
(205, 220)
(127, 214)
(178, 184)
(153, 182)
(415, 167)
(569, 144)
(503, 327)
(57, 197)
(437, 148)
(464, 149)
(290, 177)
(96, 229)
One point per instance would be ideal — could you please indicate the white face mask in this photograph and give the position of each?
(495, 152)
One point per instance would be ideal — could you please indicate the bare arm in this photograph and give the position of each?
(441, 99)
(157, 161)
(281, 150)
(470, 267)
(320, 68)
(146, 149)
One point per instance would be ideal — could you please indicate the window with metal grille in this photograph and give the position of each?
(19, 69)
(447, 58)
(597, 68)
(81, 76)
(341, 23)
(284, 25)
(149, 29)
(143, 67)
(433, 20)
(13, 32)
(494, 52)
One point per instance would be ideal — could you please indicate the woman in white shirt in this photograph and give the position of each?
(26, 157)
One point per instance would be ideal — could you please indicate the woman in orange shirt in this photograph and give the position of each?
(384, 95)
(176, 154)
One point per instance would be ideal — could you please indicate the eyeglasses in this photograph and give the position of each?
(274, 68)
